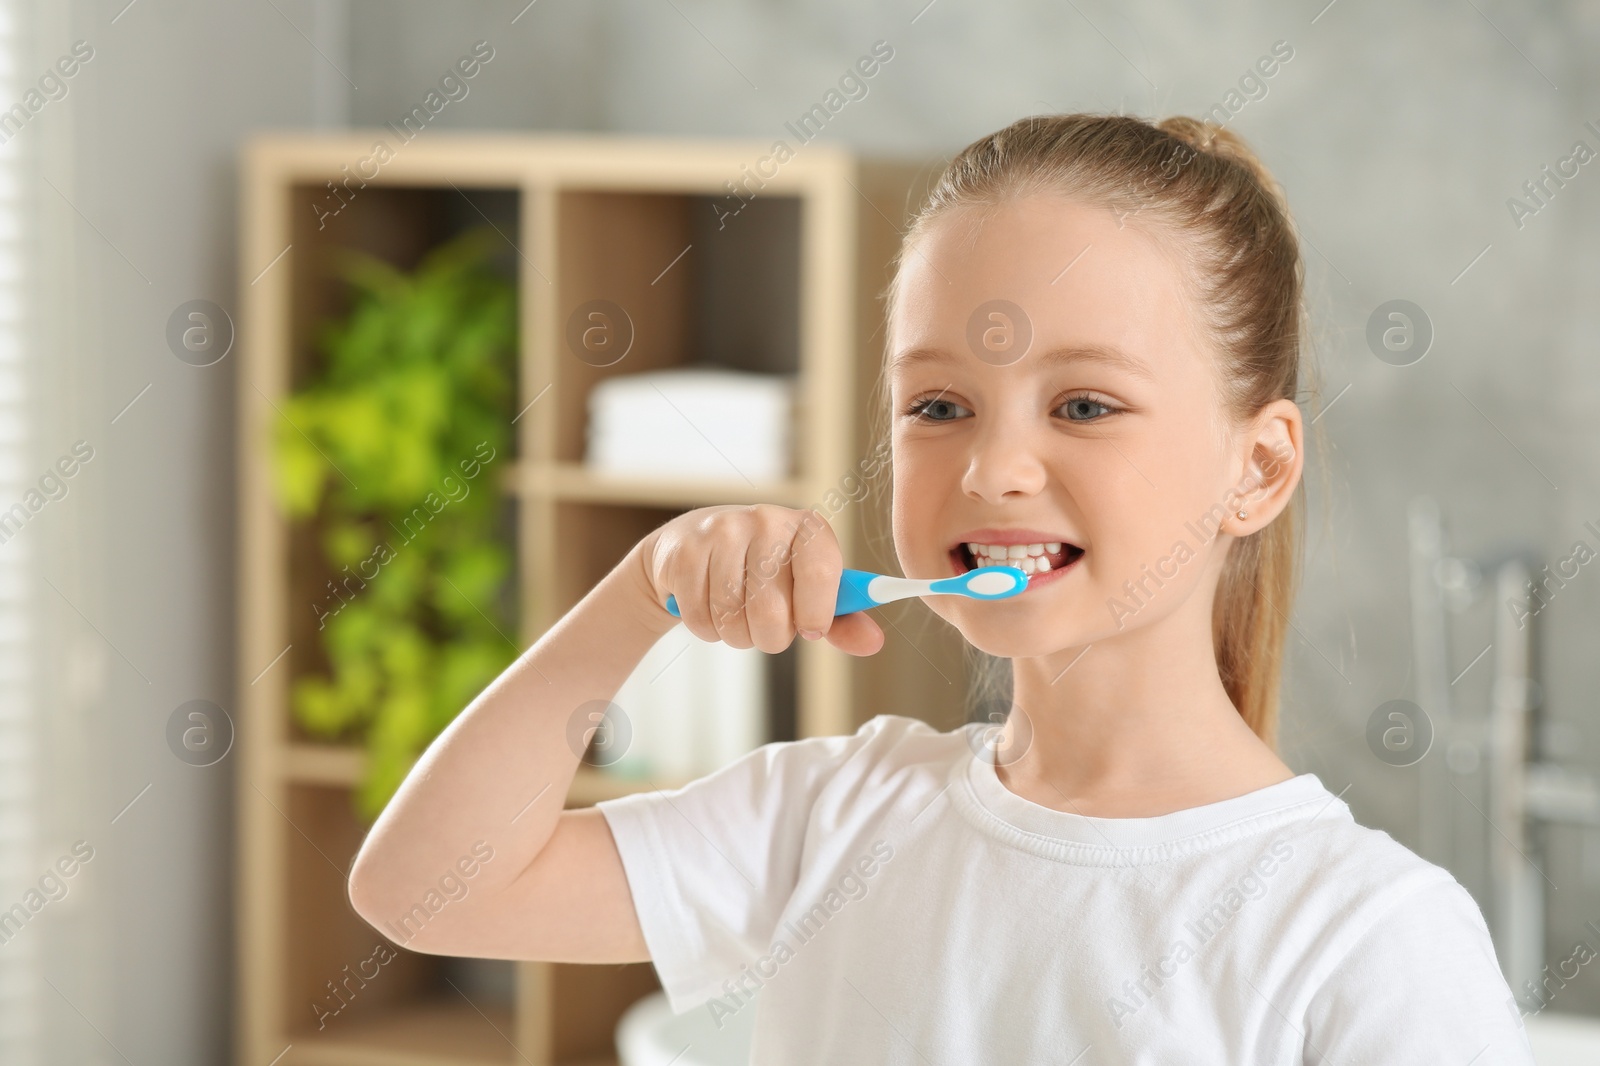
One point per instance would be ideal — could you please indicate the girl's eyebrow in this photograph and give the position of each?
(1105, 354)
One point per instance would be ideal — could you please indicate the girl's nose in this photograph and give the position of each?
(1003, 463)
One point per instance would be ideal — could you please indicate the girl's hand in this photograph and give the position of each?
(754, 576)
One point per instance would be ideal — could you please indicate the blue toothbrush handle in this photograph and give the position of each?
(852, 594)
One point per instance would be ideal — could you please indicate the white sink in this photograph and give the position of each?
(1563, 1039)
(649, 1034)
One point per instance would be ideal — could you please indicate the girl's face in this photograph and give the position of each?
(1064, 396)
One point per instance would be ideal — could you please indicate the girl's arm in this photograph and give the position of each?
(495, 781)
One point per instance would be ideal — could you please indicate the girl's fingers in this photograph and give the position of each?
(695, 608)
(767, 593)
(817, 564)
(768, 573)
(679, 565)
(728, 592)
(856, 634)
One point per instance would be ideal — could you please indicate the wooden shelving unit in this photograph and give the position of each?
(790, 284)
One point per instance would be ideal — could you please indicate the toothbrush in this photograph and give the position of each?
(860, 589)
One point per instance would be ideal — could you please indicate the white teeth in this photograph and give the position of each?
(1042, 564)
(1013, 551)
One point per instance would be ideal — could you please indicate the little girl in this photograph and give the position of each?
(1094, 340)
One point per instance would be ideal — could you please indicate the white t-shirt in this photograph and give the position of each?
(893, 902)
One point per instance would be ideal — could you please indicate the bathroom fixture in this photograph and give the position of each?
(1525, 790)
(649, 1034)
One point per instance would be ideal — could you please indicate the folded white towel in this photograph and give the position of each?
(693, 421)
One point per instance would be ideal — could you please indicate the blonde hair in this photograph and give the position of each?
(1200, 185)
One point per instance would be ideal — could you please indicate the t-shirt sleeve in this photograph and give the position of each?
(1422, 984)
(711, 865)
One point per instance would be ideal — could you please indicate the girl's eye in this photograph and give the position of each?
(933, 410)
(1085, 405)
(1082, 408)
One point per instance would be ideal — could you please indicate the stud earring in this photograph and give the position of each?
(1241, 514)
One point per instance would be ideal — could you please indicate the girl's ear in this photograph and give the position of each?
(1271, 459)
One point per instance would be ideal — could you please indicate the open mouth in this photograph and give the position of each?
(1031, 559)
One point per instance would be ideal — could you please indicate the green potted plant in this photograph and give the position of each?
(391, 454)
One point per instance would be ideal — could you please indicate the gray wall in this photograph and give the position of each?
(1399, 136)
(142, 549)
